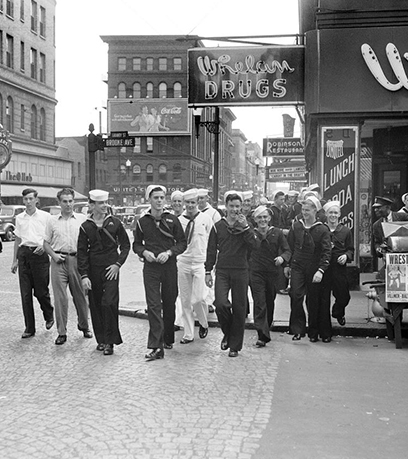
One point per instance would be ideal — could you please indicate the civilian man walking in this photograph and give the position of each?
(61, 240)
(32, 262)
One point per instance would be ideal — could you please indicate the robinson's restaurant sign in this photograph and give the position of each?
(265, 75)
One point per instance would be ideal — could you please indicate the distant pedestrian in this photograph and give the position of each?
(159, 239)
(271, 251)
(190, 267)
(228, 246)
(309, 241)
(335, 278)
(32, 262)
(99, 262)
(61, 241)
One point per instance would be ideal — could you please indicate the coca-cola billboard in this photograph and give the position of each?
(149, 117)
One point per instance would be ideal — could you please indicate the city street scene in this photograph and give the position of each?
(203, 229)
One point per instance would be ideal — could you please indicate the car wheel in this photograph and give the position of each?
(9, 236)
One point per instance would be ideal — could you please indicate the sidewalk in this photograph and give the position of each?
(360, 320)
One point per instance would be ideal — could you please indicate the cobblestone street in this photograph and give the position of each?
(284, 401)
(72, 401)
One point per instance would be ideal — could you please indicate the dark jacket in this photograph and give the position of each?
(342, 243)
(159, 235)
(228, 246)
(278, 217)
(310, 246)
(99, 246)
(267, 248)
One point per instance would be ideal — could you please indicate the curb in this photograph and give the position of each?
(369, 330)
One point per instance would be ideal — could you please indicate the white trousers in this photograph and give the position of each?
(192, 292)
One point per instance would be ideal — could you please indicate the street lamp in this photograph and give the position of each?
(212, 127)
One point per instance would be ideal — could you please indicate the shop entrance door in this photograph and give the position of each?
(391, 181)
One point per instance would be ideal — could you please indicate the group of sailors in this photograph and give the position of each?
(194, 253)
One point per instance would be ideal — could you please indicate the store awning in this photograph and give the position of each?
(8, 190)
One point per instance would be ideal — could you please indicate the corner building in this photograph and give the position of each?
(356, 101)
(147, 74)
(27, 100)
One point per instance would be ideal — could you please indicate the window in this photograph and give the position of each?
(149, 63)
(42, 124)
(149, 90)
(149, 141)
(136, 148)
(42, 68)
(9, 51)
(177, 90)
(10, 115)
(177, 172)
(121, 90)
(10, 8)
(34, 16)
(33, 63)
(177, 63)
(1, 46)
(121, 64)
(162, 63)
(137, 63)
(162, 90)
(137, 169)
(22, 16)
(1, 110)
(42, 21)
(33, 122)
(162, 172)
(79, 169)
(137, 91)
(149, 173)
(22, 117)
(22, 56)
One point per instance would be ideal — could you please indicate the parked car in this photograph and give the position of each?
(53, 210)
(126, 214)
(8, 216)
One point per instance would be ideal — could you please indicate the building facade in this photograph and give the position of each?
(356, 99)
(27, 99)
(147, 99)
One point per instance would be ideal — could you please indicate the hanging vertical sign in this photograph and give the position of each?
(340, 159)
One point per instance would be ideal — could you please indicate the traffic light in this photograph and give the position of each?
(92, 143)
(99, 142)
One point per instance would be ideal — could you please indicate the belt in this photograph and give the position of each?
(71, 254)
(28, 247)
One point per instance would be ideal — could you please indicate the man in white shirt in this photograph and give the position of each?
(205, 207)
(190, 267)
(61, 240)
(32, 262)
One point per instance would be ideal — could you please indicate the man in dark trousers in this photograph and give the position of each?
(158, 239)
(230, 240)
(271, 251)
(335, 278)
(32, 262)
(99, 263)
